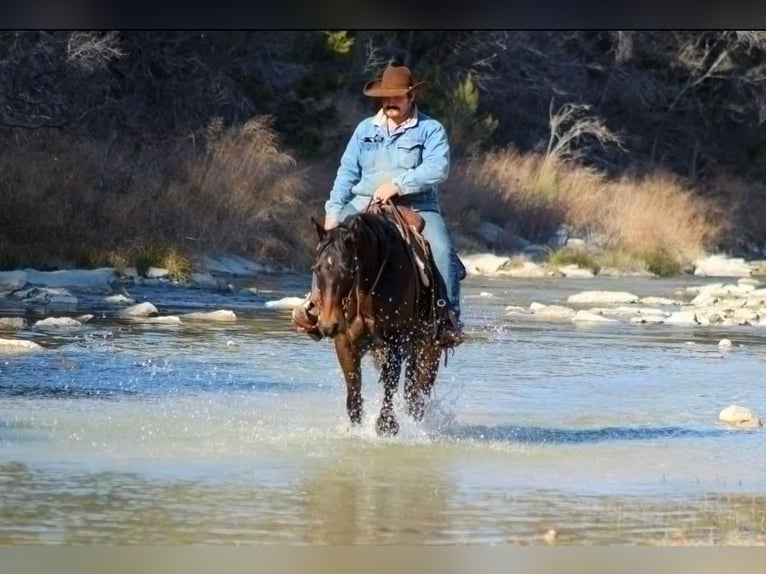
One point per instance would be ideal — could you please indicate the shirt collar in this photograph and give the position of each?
(380, 119)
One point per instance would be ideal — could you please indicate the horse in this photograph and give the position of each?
(378, 293)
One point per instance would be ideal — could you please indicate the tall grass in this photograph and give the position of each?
(231, 190)
(656, 218)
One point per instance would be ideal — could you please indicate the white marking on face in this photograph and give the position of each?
(329, 261)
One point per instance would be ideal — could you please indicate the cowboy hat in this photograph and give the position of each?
(395, 81)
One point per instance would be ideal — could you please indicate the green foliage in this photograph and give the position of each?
(456, 104)
(151, 254)
(571, 256)
(339, 42)
(662, 264)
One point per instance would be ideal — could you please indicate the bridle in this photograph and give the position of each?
(355, 288)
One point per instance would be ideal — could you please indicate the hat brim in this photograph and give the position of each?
(374, 89)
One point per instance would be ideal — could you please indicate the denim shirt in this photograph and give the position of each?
(415, 156)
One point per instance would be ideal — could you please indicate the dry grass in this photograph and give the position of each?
(656, 219)
(234, 189)
(71, 200)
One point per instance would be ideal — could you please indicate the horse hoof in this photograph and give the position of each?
(387, 427)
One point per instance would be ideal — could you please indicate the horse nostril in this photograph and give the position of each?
(330, 330)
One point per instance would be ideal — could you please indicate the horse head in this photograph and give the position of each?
(336, 266)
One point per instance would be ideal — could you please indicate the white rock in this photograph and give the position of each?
(739, 417)
(139, 310)
(516, 310)
(658, 301)
(724, 343)
(622, 311)
(484, 263)
(526, 270)
(721, 266)
(157, 273)
(47, 296)
(555, 312)
(584, 316)
(576, 272)
(164, 320)
(119, 299)
(18, 346)
(8, 323)
(57, 323)
(83, 279)
(605, 297)
(284, 303)
(684, 317)
(219, 316)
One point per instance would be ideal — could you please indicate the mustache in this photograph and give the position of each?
(391, 108)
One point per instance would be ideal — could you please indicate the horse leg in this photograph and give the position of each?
(349, 358)
(420, 377)
(389, 376)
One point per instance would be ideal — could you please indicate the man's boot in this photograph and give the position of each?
(305, 318)
(450, 332)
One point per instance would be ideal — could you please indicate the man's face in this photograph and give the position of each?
(397, 108)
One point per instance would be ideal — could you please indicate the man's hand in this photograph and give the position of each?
(329, 223)
(385, 192)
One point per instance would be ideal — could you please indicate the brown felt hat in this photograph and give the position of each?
(395, 81)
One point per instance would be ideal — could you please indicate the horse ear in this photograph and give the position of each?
(319, 227)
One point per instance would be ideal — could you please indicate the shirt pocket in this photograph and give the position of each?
(409, 153)
(369, 154)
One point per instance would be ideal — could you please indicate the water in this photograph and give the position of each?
(237, 433)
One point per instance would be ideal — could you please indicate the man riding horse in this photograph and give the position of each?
(399, 155)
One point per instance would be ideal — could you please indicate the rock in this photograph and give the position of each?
(527, 269)
(603, 297)
(10, 323)
(550, 536)
(12, 280)
(57, 323)
(47, 296)
(284, 303)
(164, 320)
(576, 272)
(552, 311)
(204, 281)
(140, 310)
(484, 263)
(220, 316)
(724, 343)
(119, 299)
(738, 416)
(684, 317)
(157, 273)
(233, 265)
(18, 346)
(82, 279)
(658, 301)
(722, 266)
(583, 316)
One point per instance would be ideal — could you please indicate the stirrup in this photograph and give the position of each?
(450, 333)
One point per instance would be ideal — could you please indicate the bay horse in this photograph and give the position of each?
(376, 295)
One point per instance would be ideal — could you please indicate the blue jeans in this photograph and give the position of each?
(445, 257)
